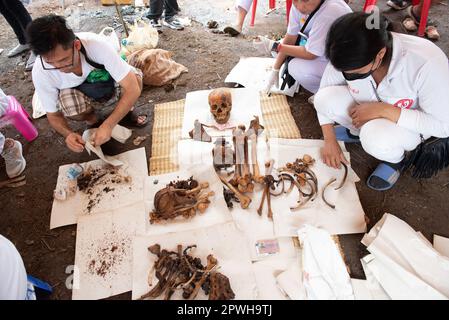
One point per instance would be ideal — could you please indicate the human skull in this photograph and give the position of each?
(220, 102)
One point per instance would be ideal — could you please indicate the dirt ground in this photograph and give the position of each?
(25, 211)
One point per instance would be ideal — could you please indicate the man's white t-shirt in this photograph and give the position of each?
(13, 277)
(48, 82)
(417, 82)
(318, 27)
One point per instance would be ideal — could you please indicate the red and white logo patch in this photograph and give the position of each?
(353, 90)
(404, 103)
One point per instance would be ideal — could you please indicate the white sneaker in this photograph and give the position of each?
(18, 50)
(14, 160)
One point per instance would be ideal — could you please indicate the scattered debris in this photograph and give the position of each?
(96, 182)
(212, 24)
(108, 255)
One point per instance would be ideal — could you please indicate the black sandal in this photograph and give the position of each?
(132, 119)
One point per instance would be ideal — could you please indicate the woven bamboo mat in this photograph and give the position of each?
(168, 117)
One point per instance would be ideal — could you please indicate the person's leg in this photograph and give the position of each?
(17, 17)
(412, 22)
(156, 9)
(333, 103)
(386, 141)
(307, 73)
(417, 9)
(242, 7)
(171, 8)
(76, 106)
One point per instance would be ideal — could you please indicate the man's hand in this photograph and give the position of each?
(75, 142)
(332, 155)
(273, 79)
(102, 135)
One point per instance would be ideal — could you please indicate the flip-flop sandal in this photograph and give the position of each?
(343, 134)
(409, 24)
(385, 175)
(432, 33)
(231, 31)
(132, 119)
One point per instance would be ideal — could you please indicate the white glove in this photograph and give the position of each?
(272, 80)
(263, 45)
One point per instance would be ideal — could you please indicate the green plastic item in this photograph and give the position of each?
(98, 75)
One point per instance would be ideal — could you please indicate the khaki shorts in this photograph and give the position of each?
(73, 102)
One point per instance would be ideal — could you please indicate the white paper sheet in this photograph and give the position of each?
(253, 72)
(196, 158)
(348, 215)
(409, 267)
(68, 211)
(245, 105)
(216, 213)
(361, 291)
(324, 272)
(397, 283)
(441, 245)
(290, 281)
(266, 272)
(103, 256)
(224, 241)
(374, 286)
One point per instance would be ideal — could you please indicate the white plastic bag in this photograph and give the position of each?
(38, 108)
(109, 34)
(142, 36)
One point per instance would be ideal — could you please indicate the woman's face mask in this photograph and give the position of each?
(359, 74)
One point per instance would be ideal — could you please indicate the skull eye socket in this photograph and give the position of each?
(214, 107)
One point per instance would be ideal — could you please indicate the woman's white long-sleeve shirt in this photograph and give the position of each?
(417, 82)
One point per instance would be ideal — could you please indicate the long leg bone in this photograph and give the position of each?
(254, 130)
(244, 200)
(264, 194)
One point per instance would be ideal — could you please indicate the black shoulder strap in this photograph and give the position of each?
(89, 61)
(304, 26)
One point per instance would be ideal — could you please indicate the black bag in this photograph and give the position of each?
(286, 76)
(99, 91)
(429, 157)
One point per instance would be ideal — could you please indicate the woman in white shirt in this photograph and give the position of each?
(305, 42)
(387, 90)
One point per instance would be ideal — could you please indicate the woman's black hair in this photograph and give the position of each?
(47, 32)
(354, 40)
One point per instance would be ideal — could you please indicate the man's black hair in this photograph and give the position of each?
(353, 43)
(47, 32)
